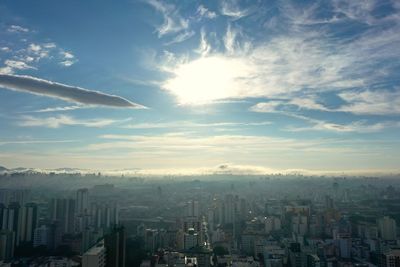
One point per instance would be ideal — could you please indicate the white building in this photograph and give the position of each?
(95, 256)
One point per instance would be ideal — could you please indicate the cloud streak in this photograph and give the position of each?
(62, 120)
(65, 92)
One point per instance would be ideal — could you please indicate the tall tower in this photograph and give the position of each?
(29, 219)
(115, 247)
(12, 220)
(82, 201)
(63, 211)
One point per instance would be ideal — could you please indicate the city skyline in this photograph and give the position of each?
(249, 87)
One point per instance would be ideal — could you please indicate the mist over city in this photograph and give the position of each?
(229, 133)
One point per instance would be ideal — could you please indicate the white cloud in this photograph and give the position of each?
(173, 22)
(67, 63)
(19, 65)
(181, 37)
(266, 107)
(57, 109)
(308, 102)
(204, 12)
(49, 45)
(6, 70)
(65, 92)
(356, 10)
(5, 49)
(230, 40)
(381, 102)
(204, 47)
(357, 126)
(30, 141)
(67, 55)
(189, 124)
(231, 8)
(305, 58)
(63, 120)
(17, 28)
(280, 67)
(34, 48)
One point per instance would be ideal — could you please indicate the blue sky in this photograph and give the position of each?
(197, 86)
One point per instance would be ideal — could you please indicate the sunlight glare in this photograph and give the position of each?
(207, 79)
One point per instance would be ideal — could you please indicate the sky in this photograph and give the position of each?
(193, 86)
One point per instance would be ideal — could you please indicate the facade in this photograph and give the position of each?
(95, 256)
(7, 244)
(387, 228)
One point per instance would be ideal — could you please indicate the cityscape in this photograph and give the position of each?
(212, 220)
(199, 133)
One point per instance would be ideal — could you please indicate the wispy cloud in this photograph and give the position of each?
(173, 22)
(357, 126)
(281, 107)
(310, 54)
(181, 37)
(358, 102)
(381, 102)
(63, 120)
(65, 92)
(189, 124)
(203, 12)
(233, 9)
(35, 141)
(17, 28)
(57, 109)
(204, 47)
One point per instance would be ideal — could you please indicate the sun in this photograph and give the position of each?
(207, 79)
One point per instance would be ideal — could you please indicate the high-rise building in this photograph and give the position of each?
(114, 242)
(192, 209)
(28, 222)
(190, 239)
(12, 220)
(82, 201)
(95, 256)
(55, 235)
(387, 228)
(151, 239)
(41, 236)
(63, 211)
(2, 215)
(230, 209)
(104, 215)
(7, 244)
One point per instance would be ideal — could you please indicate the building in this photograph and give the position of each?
(7, 239)
(95, 256)
(391, 258)
(28, 223)
(115, 246)
(387, 228)
(192, 209)
(12, 220)
(104, 215)
(63, 211)
(190, 239)
(82, 201)
(41, 236)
